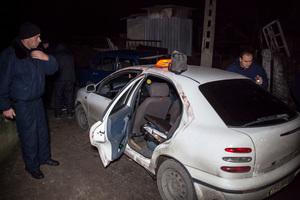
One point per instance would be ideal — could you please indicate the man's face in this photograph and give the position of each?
(246, 61)
(33, 42)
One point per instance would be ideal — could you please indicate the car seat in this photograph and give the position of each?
(156, 105)
(175, 116)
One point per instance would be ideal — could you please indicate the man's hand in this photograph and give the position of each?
(39, 55)
(259, 80)
(9, 113)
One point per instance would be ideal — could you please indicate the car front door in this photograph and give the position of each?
(111, 133)
(106, 91)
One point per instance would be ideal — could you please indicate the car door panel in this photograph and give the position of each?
(96, 109)
(110, 135)
(117, 125)
(106, 91)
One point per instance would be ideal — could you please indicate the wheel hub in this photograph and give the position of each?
(175, 185)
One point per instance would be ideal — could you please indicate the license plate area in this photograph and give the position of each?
(281, 184)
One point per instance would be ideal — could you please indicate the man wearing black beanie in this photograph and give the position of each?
(28, 30)
(22, 82)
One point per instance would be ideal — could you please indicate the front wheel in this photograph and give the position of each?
(81, 118)
(174, 182)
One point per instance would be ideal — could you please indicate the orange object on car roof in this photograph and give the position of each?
(163, 63)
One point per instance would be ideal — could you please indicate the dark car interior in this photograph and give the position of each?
(156, 117)
(112, 86)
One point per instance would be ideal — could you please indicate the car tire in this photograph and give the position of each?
(81, 118)
(174, 182)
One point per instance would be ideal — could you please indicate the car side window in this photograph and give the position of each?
(113, 86)
(123, 62)
(106, 64)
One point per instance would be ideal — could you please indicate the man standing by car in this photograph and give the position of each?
(64, 81)
(245, 65)
(22, 82)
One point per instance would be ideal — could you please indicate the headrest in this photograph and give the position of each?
(159, 90)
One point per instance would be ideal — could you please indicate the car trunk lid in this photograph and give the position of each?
(274, 145)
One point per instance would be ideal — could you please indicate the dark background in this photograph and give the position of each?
(68, 18)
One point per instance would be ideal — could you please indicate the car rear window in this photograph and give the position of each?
(240, 102)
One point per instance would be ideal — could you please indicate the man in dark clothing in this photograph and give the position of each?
(47, 97)
(245, 65)
(64, 81)
(295, 89)
(22, 80)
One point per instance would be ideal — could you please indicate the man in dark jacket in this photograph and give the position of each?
(48, 48)
(64, 81)
(22, 80)
(245, 65)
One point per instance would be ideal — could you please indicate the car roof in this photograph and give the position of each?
(199, 74)
(133, 54)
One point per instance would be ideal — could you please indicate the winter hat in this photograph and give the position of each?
(28, 30)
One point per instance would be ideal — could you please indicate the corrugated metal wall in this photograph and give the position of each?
(175, 33)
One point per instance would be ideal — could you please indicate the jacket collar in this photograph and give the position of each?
(20, 50)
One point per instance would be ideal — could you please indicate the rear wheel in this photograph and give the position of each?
(81, 118)
(174, 182)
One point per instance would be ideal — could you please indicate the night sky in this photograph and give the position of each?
(66, 18)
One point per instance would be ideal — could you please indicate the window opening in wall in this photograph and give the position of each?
(208, 34)
(207, 45)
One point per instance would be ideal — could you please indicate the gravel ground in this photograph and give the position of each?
(80, 174)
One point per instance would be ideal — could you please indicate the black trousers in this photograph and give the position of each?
(33, 133)
(64, 94)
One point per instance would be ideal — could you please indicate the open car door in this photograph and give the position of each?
(111, 133)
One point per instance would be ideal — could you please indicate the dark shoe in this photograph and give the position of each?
(37, 174)
(70, 116)
(57, 116)
(64, 108)
(51, 163)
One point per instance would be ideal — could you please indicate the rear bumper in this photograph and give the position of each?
(205, 191)
(212, 187)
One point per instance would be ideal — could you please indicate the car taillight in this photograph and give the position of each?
(238, 150)
(237, 159)
(232, 169)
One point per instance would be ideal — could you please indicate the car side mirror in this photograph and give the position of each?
(90, 88)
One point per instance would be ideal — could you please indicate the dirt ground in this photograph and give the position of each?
(80, 174)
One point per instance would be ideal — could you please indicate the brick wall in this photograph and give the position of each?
(280, 70)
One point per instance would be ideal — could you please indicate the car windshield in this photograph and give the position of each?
(242, 103)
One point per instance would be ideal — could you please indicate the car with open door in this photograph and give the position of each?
(204, 133)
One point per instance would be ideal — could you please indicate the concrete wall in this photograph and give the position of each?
(280, 70)
(8, 137)
(136, 28)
